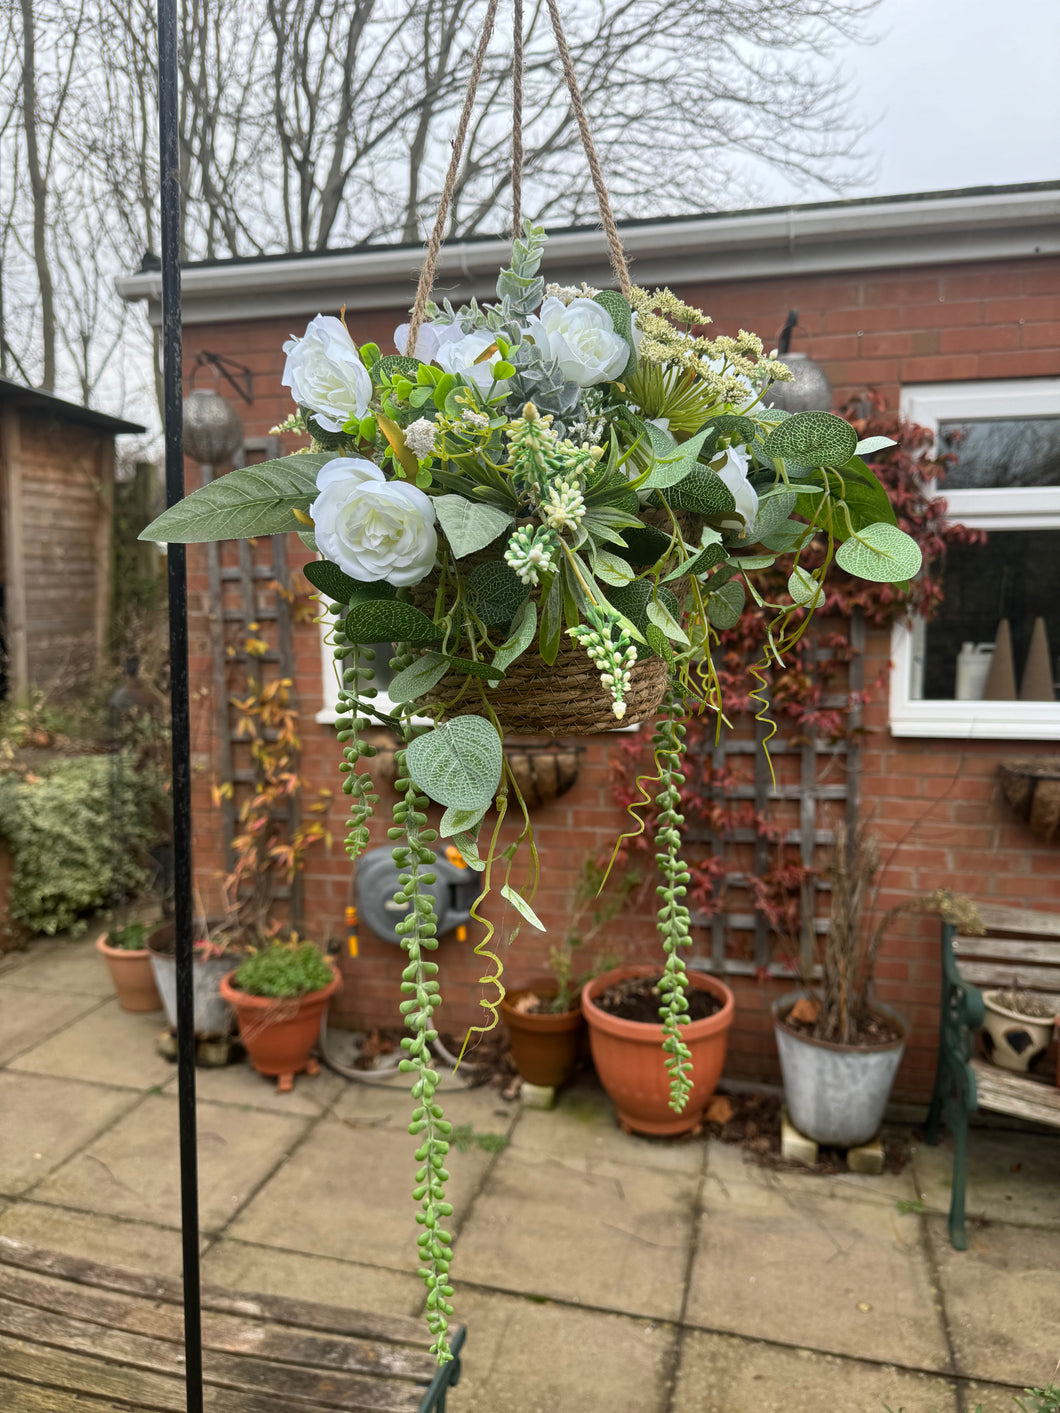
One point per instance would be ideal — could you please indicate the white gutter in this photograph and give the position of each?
(1003, 224)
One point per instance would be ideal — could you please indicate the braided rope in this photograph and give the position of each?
(517, 120)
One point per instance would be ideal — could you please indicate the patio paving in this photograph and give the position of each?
(594, 1270)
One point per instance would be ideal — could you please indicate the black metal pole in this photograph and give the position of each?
(169, 178)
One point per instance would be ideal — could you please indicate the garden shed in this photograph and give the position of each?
(56, 509)
(944, 308)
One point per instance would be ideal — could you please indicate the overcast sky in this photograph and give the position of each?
(960, 93)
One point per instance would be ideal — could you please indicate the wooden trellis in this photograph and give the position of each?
(249, 584)
(802, 768)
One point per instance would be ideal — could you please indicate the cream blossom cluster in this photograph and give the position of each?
(419, 437)
(568, 293)
(610, 651)
(564, 506)
(531, 553)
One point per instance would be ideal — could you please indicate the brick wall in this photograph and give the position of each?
(934, 803)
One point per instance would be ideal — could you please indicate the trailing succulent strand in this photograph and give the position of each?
(358, 784)
(418, 932)
(673, 915)
(610, 650)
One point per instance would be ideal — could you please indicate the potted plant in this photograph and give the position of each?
(544, 1017)
(840, 1047)
(1017, 1028)
(124, 949)
(550, 504)
(214, 946)
(279, 995)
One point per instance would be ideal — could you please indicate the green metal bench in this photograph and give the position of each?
(1020, 948)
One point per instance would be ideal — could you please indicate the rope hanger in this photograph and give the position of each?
(603, 201)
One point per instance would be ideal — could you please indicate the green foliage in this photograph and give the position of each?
(469, 526)
(388, 621)
(622, 318)
(130, 938)
(254, 500)
(79, 835)
(880, 553)
(520, 285)
(459, 763)
(284, 969)
(464, 1135)
(812, 439)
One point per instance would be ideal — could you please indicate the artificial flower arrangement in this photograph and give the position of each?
(548, 505)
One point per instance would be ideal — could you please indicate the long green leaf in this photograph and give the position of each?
(254, 500)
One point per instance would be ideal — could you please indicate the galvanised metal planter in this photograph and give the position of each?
(836, 1094)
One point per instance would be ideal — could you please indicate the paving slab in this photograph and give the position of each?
(240, 1084)
(43, 1120)
(524, 1356)
(132, 1170)
(108, 1046)
(1002, 1300)
(861, 1264)
(583, 1130)
(29, 1017)
(1012, 1176)
(73, 968)
(388, 1106)
(728, 1165)
(994, 1398)
(270, 1272)
(133, 1245)
(617, 1239)
(347, 1192)
(719, 1374)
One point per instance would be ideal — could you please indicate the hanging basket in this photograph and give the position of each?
(564, 699)
(1032, 787)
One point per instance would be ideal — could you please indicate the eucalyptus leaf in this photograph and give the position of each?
(812, 439)
(659, 644)
(670, 470)
(737, 428)
(459, 763)
(524, 626)
(339, 587)
(871, 444)
(804, 588)
(725, 604)
(250, 501)
(665, 621)
(787, 536)
(866, 504)
(881, 553)
(469, 526)
(387, 621)
(416, 681)
(707, 558)
(466, 842)
(611, 568)
(772, 512)
(457, 821)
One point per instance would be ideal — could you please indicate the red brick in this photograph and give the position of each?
(1020, 364)
(1040, 335)
(987, 338)
(981, 284)
(943, 315)
(949, 368)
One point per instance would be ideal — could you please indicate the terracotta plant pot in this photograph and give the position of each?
(279, 1032)
(133, 978)
(629, 1058)
(545, 1048)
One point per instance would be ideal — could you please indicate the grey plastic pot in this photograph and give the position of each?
(213, 1016)
(837, 1094)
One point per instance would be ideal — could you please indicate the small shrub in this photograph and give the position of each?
(62, 827)
(130, 938)
(284, 969)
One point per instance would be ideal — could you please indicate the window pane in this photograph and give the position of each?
(1015, 575)
(1002, 453)
(382, 672)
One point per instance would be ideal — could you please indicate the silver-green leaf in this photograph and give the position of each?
(880, 553)
(524, 626)
(522, 907)
(459, 763)
(253, 500)
(417, 680)
(467, 526)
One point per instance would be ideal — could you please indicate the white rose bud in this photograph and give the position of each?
(373, 529)
(733, 472)
(581, 337)
(325, 373)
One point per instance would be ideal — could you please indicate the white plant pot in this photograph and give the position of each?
(837, 1094)
(1012, 1040)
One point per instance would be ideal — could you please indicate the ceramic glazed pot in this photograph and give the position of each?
(836, 1094)
(1012, 1040)
(132, 976)
(545, 1048)
(279, 1032)
(629, 1059)
(213, 1015)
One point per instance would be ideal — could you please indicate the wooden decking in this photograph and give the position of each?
(80, 1337)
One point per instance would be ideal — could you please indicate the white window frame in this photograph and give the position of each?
(1037, 508)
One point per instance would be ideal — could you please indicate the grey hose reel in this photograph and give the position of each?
(454, 890)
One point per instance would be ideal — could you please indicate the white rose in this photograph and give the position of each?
(372, 528)
(455, 352)
(581, 337)
(429, 340)
(733, 471)
(325, 373)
